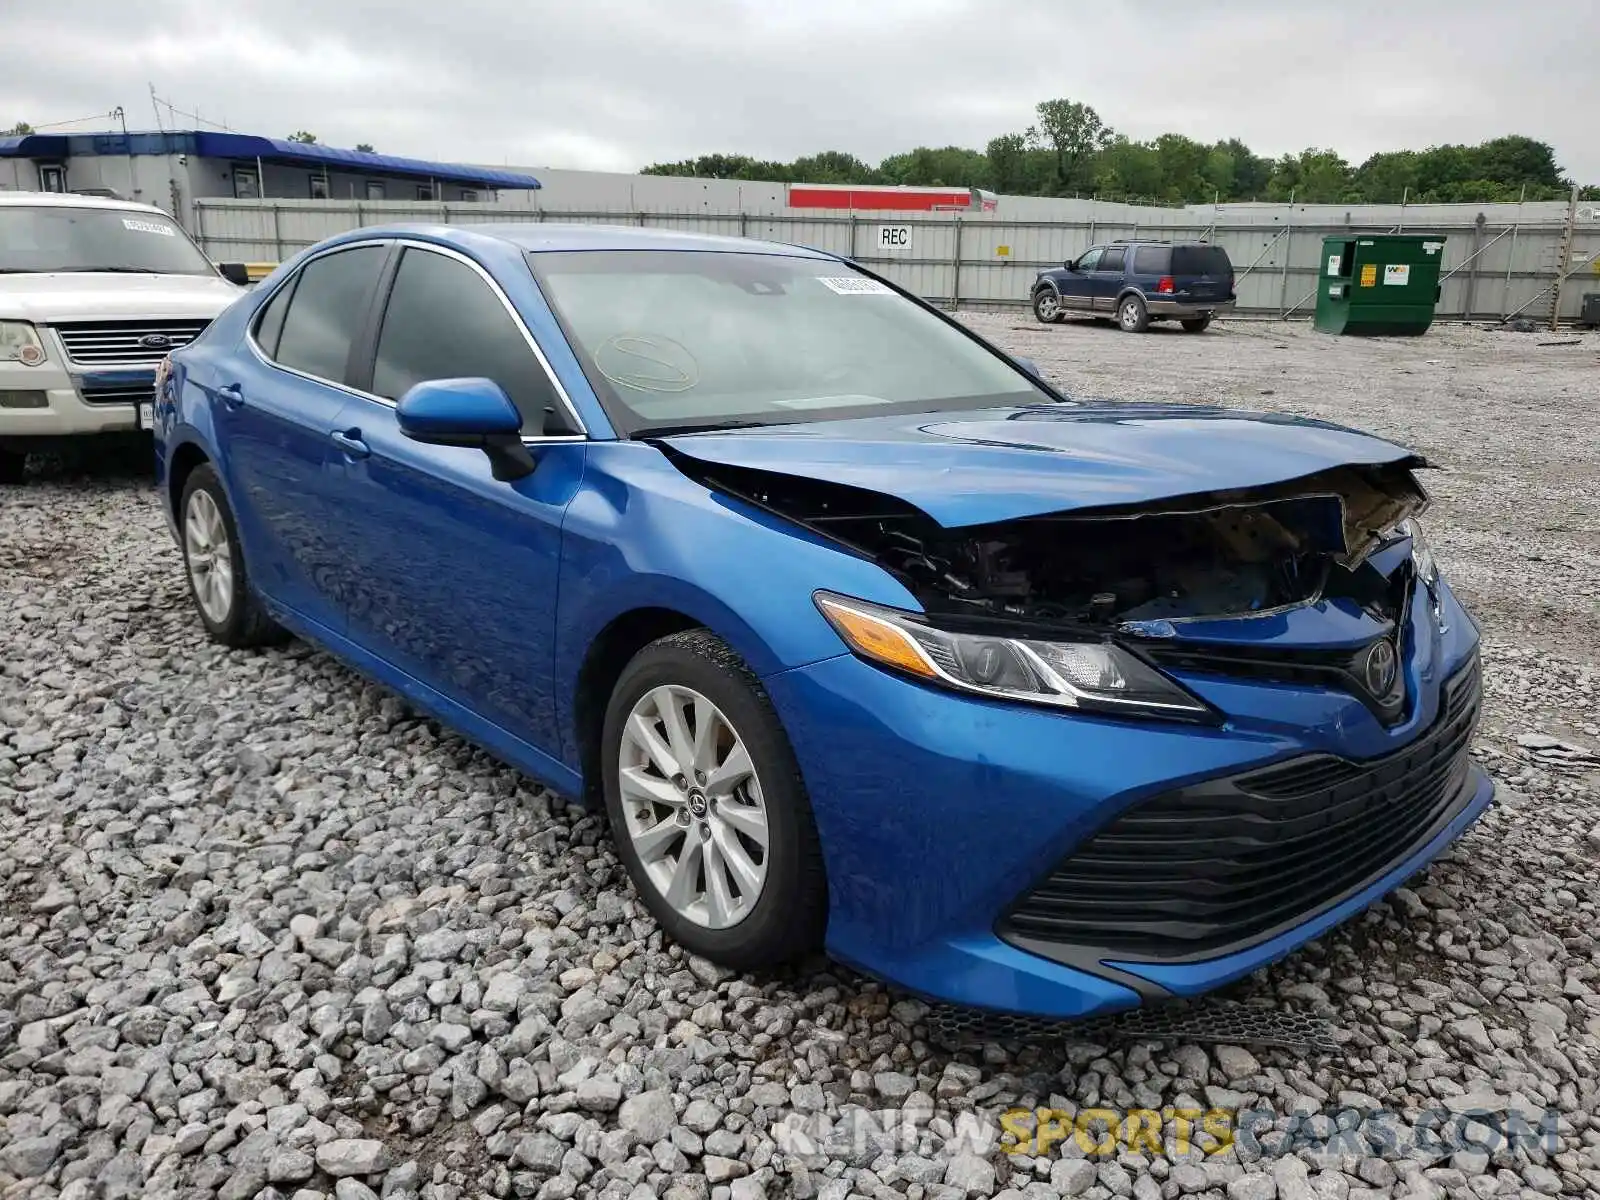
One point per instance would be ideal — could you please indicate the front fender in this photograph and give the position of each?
(642, 535)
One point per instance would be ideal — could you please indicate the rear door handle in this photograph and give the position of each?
(349, 440)
(231, 394)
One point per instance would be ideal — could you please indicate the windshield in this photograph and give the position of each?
(64, 238)
(695, 339)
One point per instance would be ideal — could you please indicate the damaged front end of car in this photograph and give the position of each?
(1297, 581)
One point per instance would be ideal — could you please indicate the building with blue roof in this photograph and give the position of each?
(173, 168)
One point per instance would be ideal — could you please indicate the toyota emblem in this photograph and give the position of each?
(155, 341)
(1380, 668)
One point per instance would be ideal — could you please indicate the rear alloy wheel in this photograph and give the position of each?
(1132, 315)
(1047, 305)
(1196, 324)
(212, 559)
(707, 808)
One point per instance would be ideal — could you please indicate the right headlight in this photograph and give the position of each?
(1421, 552)
(19, 342)
(1091, 676)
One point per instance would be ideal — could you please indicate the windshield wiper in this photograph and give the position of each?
(655, 431)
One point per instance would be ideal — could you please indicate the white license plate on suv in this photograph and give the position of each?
(146, 417)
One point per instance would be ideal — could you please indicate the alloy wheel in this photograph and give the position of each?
(692, 804)
(205, 547)
(1130, 314)
(1047, 307)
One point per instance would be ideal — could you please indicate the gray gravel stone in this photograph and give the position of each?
(353, 1156)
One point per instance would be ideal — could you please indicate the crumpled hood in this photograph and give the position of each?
(45, 297)
(974, 468)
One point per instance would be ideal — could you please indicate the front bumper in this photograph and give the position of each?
(1186, 308)
(111, 404)
(938, 811)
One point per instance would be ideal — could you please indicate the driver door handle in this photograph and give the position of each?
(231, 394)
(349, 440)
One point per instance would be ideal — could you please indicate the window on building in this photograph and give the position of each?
(319, 187)
(375, 189)
(424, 191)
(469, 194)
(52, 177)
(327, 309)
(444, 322)
(246, 184)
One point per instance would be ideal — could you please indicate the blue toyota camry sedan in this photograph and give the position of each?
(865, 637)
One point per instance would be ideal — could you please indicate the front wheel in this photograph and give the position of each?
(1196, 324)
(707, 807)
(1132, 315)
(212, 559)
(1047, 305)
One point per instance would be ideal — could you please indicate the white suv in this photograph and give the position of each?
(94, 293)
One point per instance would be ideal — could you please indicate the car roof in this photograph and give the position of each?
(546, 237)
(74, 200)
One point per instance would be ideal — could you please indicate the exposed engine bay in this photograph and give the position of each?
(1218, 555)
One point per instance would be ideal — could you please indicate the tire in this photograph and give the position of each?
(1132, 315)
(1047, 306)
(787, 916)
(218, 585)
(1196, 324)
(13, 465)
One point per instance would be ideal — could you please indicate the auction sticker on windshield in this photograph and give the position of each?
(854, 285)
(139, 226)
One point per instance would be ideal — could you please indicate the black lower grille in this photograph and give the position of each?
(138, 394)
(1225, 862)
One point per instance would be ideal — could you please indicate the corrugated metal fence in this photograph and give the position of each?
(1490, 269)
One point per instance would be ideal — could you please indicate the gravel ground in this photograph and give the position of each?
(265, 932)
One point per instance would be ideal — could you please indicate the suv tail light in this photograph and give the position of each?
(1165, 286)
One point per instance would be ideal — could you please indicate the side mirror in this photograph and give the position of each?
(1028, 365)
(1071, 264)
(235, 273)
(467, 412)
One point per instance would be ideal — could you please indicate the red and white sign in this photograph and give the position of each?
(877, 197)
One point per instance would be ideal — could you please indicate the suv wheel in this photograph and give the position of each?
(1132, 315)
(1047, 305)
(1195, 324)
(707, 808)
(227, 605)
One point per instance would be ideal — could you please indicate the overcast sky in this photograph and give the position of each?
(615, 84)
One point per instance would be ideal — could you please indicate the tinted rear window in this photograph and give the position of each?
(1111, 260)
(1200, 260)
(1152, 260)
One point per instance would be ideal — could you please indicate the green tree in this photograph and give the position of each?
(303, 137)
(946, 166)
(365, 147)
(831, 166)
(1076, 134)
(1128, 169)
(1310, 177)
(20, 129)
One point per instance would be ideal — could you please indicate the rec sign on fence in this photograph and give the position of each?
(894, 237)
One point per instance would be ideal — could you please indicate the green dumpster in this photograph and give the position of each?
(1379, 284)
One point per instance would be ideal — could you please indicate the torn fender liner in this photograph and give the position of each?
(978, 468)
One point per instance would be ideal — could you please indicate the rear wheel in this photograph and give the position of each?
(707, 807)
(12, 465)
(218, 582)
(1047, 305)
(1195, 324)
(1132, 315)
